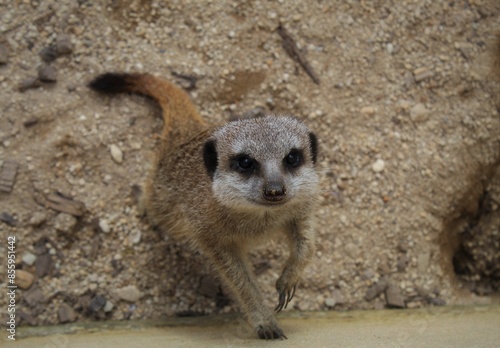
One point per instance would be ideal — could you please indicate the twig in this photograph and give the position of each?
(293, 51)
(189, 78)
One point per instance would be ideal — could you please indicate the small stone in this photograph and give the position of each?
(104, 226)
(8, 219)
(390, 48)
(116, 153)
(330, 302)
(422, 73)
(30, 82)
(368, 110)
(43, 265)
(47, 73)
(436, 301)
(48, 54)
(393, 297)
(34, 296)
(419, 113)
(108, 307)
(375, 290)
(339, 298)
(64, 46)
(402, 263)
(27, 317)
(28, 258)
(8, 173)
(4, 54)
(128, 293)
(64, 222)
(97, 303)
(135, 236)
(66, 314)
(378, 166)
(24, 279)
(37, 219)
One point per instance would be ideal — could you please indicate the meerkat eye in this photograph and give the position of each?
(293, 159)
(243, 164)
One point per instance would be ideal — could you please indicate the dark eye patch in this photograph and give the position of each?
(244, 164)
(294, 159)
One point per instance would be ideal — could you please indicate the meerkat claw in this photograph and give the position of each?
(281, 302)
(270, 332)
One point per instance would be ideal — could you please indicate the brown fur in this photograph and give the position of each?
(179, 198)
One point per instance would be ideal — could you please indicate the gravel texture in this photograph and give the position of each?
(406, 112)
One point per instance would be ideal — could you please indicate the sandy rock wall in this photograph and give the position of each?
(406, 112)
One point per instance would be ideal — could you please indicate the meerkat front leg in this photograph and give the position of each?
(233, 269)
(301, 241)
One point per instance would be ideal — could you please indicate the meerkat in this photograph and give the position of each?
(225, 188)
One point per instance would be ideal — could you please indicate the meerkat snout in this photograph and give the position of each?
(274, 191)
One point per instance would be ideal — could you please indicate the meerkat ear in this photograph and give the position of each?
(210, 157)
(313, 144)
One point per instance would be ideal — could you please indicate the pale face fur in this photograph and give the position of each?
(265, 142)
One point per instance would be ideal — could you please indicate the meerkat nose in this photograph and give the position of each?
(274, 191)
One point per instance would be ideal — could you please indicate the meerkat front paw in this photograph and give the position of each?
(285, 286)
(270, 331)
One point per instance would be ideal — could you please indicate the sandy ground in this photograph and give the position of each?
(453, 327)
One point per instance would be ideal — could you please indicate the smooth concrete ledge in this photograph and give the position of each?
(477, 326)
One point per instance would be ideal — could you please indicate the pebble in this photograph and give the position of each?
(339, 298)
(104, 226)
(37, 219)
(419, 113)
(108, 307)
(8, 219)
(116, 153)
(66, 314)
(64, 46)
(64, 222)
(135, 236)
(24, 279)
(375, 290)
(368, 110)
(402, 263)
(34, 296)
(28, 83)
(47, 73)
(27, 317)
(43, 265)
(48, 54)
(423, 73)
(28, 258)
(128, 293)
(423, 260)
(330, 302)
(97, 303)
(61, 47)
(390, 48)
(378, 166)
(393, 297)
(4, 54)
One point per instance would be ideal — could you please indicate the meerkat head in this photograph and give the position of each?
(262, 162)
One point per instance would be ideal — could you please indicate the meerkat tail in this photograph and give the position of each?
(179, 114)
